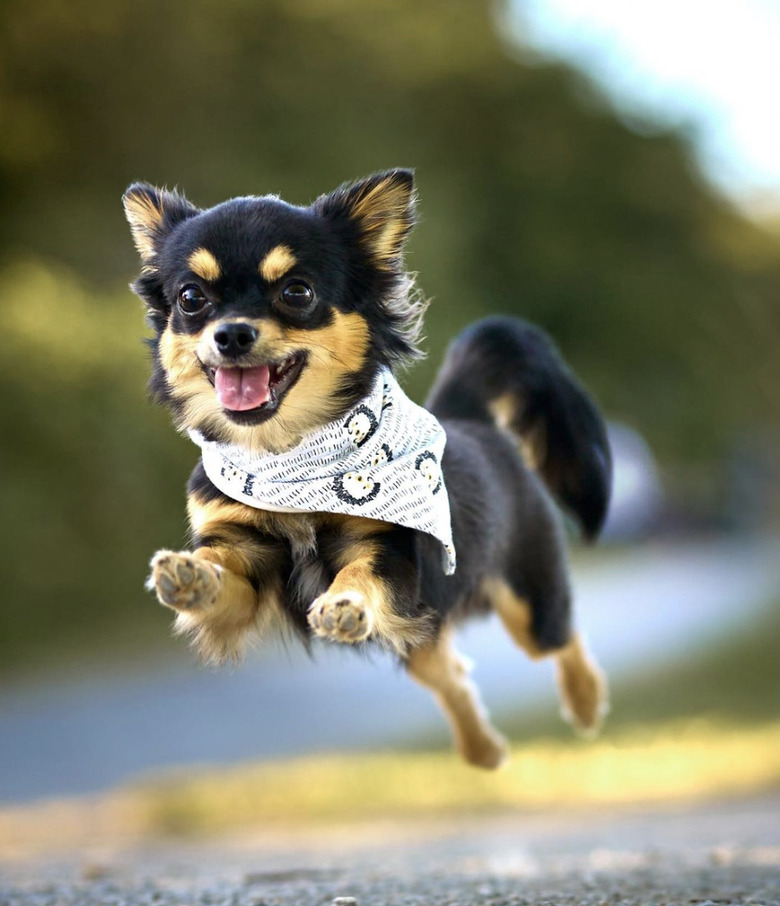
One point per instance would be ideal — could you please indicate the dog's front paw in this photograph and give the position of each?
(183, 582)
(341, 616)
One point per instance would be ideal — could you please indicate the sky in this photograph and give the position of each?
(711, 67)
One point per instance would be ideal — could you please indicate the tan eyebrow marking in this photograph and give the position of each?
(276, 263)
(202, 263)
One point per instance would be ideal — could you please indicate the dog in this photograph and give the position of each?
(277, 331)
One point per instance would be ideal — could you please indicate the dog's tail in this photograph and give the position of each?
(504, 371)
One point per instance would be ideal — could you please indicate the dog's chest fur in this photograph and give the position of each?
(298, 530)
(308, 575)
(316, 543)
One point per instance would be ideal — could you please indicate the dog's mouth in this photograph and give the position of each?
(255, 391)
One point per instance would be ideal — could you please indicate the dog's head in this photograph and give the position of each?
(271, 320)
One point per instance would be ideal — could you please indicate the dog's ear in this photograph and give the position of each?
(381, 207)
(152, 214)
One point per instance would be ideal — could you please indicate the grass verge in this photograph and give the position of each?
(735, 681)
(679, 761)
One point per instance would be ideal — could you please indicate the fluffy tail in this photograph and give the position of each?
(504, 371)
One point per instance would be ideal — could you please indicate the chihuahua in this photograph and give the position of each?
(325, 500)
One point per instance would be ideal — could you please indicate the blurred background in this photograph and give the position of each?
(613, 176)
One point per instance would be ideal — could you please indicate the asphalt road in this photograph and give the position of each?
(724, 853)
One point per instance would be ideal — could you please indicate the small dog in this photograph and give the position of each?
(324, 499)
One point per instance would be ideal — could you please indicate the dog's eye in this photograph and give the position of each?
(297, 297)
(191, 300)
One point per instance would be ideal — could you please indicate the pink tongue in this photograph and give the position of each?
(242, 388)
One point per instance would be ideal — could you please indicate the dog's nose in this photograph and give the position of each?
(233, 340)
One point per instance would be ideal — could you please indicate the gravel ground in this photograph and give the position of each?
(705, 886)
(718, 854)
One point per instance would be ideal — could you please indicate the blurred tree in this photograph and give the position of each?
(535, 200)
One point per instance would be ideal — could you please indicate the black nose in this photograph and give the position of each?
(233, 340)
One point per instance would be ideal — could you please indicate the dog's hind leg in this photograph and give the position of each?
(440, 668)
(581, 683)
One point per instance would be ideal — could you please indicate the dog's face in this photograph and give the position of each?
(272, 320)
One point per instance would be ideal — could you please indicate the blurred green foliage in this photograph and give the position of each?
(535, 200)
(91, 474)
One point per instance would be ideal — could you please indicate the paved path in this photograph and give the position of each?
(68, 735)
(727, 853)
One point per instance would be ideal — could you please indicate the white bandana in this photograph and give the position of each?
(382, 461)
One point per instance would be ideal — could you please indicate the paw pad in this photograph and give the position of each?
(182, 582)
(341, 617)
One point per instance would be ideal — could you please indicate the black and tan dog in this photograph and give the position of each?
(271, 321)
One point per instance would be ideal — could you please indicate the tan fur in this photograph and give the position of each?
(333, 353)
(515, 614)
(383, 214)
(222, 633)
(532, 445)
(359, 588)
(178, 357)
(504, 410)
(581, 683)
(277, 263)
(221, 630)
(205, 513)
(582, 686)
(213, 605)
(187, 381)
(356, 587)
(144, 218)
(228, 521)
(298, 528)
(203, 264)
(441, 669)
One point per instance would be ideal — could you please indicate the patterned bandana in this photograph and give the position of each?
(382, 461)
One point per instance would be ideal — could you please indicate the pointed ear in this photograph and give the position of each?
(152, 214)
(382, 207)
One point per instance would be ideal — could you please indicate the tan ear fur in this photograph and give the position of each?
(386, 216)
(144, 211)
(152, 213)
(382, 206)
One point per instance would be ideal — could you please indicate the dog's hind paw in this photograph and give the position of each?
(341, 616)
(485, 749)
(183, 582)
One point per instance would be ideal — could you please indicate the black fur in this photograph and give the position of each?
(499, 356)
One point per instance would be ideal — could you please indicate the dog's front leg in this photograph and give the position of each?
(374, 593)
(222, 591)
